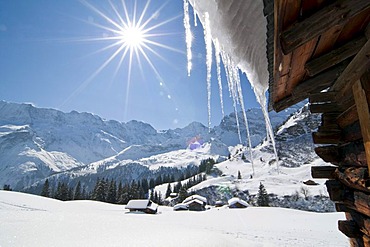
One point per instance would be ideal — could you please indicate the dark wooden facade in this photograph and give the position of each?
(320, 50)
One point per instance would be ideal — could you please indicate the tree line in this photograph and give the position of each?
(111, 191)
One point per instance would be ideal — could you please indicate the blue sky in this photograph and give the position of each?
(50, 55)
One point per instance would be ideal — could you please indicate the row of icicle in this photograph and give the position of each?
(232, 75)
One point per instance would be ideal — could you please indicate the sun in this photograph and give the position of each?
(133, 37)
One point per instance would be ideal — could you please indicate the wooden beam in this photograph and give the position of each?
(361, 202)
(323, 172)
(318, 82)
(323, 108)
(311, 86)
(349, 228)
(364, 117)
(328, 137)
(335, 14)
(352, 133)
(334, 57)
(322, 97)
(336, 190)
(348, 117)
(362, 221)
(353, 177)
(329, 154)
(357, 67)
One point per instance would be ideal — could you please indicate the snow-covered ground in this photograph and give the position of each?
(28, 220)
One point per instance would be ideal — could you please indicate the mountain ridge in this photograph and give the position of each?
(39, 142)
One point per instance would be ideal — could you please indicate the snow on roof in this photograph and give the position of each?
(153, 206)
(234, 200)
(137, 204)
(197, 197)
(180, 206)
(194, 201)
(240, 28)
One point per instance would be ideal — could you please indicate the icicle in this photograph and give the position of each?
(188, 35)
(218, 66)
(270, 134)
(195, 15)
(241, 100)
(230, 82)
(208, 42)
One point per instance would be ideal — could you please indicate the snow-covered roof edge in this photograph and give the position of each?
(241, 33)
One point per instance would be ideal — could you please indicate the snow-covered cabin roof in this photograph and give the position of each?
(235, 200)
(138, 204)
(195, 201)
(152, 206)
(180, 206)
(196, 197)
(240, 29)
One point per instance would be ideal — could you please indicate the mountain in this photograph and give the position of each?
(38, 143)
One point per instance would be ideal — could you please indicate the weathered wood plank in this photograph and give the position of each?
(357, 67)
(364, 116)
(329, 154)
(362, 221)
(348, 117)
(352, 154)
(334, 57)
(361, 202)
(325, 107)
(354, 178)
(349, 228)
(352, 133)
(328, 137)
(322, 97)
(323, 172)
(318, 82)
(335, 14)
(336, 190)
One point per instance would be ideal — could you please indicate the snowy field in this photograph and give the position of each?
(28, 220)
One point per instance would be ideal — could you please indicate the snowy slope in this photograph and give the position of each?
(28, 220)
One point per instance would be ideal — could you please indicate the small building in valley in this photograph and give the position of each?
(145, 205)
(236, 202)
(196, 203)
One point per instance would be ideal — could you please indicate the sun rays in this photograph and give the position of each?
(129, 38)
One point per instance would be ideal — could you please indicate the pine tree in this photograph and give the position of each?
(112, 192)
(84, 194)
(78, 192)
(7, 187)
(183, 194)
(239, 175)
(177, 187)
(168, 191)
(262, 196)
(70, 194)
(99, 193)
(243, 157)
(45, 189)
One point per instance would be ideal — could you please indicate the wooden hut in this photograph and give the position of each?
(146, 206)
(320, 50)
(236, 202)
(196, 203)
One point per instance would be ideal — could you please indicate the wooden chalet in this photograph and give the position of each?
(320, 50)
(236, 202)
(195, 203)
(145, 206)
